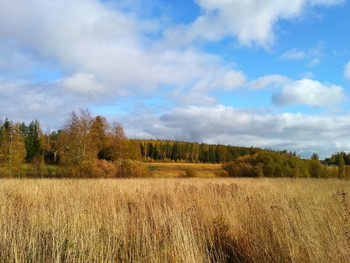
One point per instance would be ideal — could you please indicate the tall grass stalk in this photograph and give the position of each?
(174, 220)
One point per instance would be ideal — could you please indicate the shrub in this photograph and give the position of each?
(272, 164)
(190, 173)
(241, 169)
(97, 168)
(36, 168)
(129, 169)
(4, 172)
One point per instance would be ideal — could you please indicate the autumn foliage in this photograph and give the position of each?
(89, 146)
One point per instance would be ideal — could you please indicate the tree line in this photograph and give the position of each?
(85, 146)
(283, 164)
(178, 151)
(89, 146)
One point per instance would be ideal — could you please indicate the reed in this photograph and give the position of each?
(174, 220)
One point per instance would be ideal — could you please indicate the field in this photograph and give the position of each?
(174, 220)
(179, 169)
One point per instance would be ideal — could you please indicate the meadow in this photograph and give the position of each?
(176, 169)
(174, 220)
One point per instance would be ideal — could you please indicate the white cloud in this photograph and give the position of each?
(314, 62)
(227, 125)
(347, 71)
(230, 80)
(293, 54)
(84, 84)
(250, 21)
(310, 92)
(267, 81)
(104, 53)
(225, 80)
(115, 48)
(313, 56)
(326, 2)
(25, 101)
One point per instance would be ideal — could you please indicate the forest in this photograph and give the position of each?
(89, 146)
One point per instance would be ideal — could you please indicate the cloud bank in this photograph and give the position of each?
(58, 55)
(221, 124)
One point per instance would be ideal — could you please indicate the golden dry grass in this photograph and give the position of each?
(174, 220)
(179, 169)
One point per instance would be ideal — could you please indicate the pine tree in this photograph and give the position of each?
(33, 140)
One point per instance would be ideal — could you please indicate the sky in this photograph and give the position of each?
(263, 73)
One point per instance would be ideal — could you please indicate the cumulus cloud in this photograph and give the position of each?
(347, 71)
(102, 52)
(228, 125)
(310, 92)
(251, 22)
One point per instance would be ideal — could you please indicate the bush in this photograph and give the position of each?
(221, 173)
(36, 168)
(4, 172)
(130, 169)
(90, 169)
(190, 173)
(241, 169)
(98, 168)
(270, 164)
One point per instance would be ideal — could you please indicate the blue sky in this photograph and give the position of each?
(272, 74)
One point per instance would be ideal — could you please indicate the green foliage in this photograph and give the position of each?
(316, 169)
(90, 147)
(167, 150)
(37, 168)
(267, 164)
(281, 164)
(32, 137)
(315, 156)
(338, 158)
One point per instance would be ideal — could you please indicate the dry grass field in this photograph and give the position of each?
(179, 169)
(174, 220)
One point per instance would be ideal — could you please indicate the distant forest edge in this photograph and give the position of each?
(178, 151)
(89, 146)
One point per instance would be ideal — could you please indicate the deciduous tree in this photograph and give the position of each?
(78, 138)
